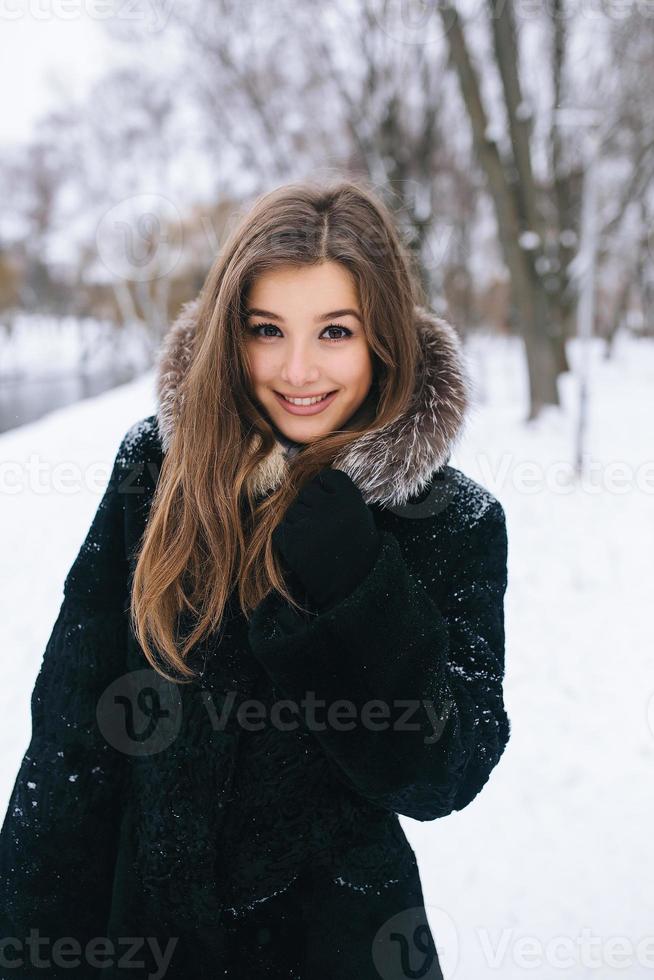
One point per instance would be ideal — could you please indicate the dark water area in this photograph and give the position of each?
(28, 398)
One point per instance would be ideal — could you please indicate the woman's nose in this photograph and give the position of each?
(299, 368)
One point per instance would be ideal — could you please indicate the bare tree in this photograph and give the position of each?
(513, 190)
(293, 90)
(626, 245)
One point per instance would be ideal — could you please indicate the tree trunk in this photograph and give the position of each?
(528, 292)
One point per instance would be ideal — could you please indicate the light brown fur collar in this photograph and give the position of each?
(390, 464)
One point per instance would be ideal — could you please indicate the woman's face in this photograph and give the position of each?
(304, 337)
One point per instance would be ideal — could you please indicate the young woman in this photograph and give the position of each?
(284, 628)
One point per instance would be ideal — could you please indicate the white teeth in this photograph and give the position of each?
(305, 401)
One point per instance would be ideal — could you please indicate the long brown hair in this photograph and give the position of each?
(206, 533)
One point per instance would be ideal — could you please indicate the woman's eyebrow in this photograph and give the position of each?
(254, 311)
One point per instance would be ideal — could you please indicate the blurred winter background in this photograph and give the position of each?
(515, 143)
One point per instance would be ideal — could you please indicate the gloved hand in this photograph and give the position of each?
(328, 537)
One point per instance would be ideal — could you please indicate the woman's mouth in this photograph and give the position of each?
(306, 406)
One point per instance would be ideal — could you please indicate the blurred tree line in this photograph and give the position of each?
(117, 209)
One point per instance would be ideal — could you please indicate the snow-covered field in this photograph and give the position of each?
(548, 872)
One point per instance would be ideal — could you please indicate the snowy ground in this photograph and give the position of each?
(548, 872)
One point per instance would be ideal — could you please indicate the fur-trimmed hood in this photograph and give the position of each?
(389, 464)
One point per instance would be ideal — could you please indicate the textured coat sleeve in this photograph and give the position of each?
(58, 839)
(420, 722)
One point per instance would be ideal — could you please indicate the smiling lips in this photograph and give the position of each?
(304, 399)
(306, 406)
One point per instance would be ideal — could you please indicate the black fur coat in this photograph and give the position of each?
(146, 812)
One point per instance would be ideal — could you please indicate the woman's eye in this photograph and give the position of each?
(332, 326)
(336, 326)
(260, 326)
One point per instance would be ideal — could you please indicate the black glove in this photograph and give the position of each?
(328, 538)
